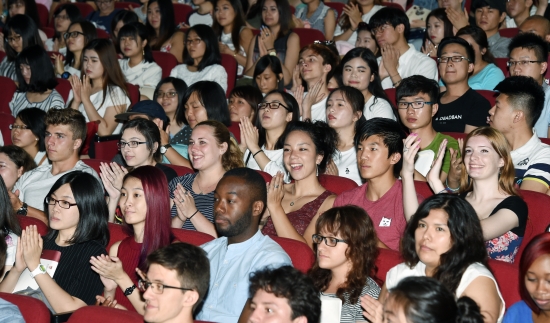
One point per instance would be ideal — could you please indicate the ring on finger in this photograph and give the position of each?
(276, 186)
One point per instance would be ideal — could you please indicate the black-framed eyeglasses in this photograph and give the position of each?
(271, 105)
(161, 95)
(511, 63)
(18, 127)
(324, 42)
(62, 203)
(329, 241)
(156, 288)
(402, 105)
(62, 17)
(13, 39)
(131, 144)
(72, 34)
(195, 41)
(454, 59)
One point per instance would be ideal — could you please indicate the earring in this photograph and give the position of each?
(143, 51)
(317, 174)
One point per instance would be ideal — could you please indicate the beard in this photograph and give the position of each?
(240, 226)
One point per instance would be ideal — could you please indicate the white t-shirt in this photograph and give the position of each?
(71, 70)
(275, 165)
(49, 47)
(39, 156)
(475, 270)
(531, 161)
(412, 62)
(226, 39)
(197, 19)
(380, 109)
(319, 110)
(366, 18)
(215, 73)
(346, 162)
(144, 74)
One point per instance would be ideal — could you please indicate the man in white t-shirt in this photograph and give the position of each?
(390, 27)
(65, 134)
(518, 11)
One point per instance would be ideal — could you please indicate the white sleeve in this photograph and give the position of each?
(174, 72)
(426, 67)
(381, 109)
(154, 76)
(219, 75)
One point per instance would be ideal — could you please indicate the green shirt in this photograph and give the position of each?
(451, 143)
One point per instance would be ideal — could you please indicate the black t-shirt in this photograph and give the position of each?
(470, 109)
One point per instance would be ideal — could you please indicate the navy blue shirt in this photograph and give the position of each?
(102, 22)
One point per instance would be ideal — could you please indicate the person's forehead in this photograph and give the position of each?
(522, 51)
(159, 273)
(453, 48)
(232, 185)
(59, 128)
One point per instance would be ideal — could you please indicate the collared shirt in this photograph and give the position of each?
(230, 269)
(541, 127)
(499, 45)
(532, 161)
(412, 62)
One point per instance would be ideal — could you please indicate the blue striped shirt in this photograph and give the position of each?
(203, 202)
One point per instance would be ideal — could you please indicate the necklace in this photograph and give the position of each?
(296, 200)
(208, 187)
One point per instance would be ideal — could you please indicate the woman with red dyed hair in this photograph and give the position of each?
(147, 223)
(534, 286)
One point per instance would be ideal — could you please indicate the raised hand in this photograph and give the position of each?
(372, 309)
(32, 244)
(433, 175)
(411, 145)
(76, 85)
(185, 203)
(275, 191)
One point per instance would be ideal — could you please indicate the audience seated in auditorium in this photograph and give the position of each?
(379, 144)
(293, 208)
(35, 82)
(528, 57)
(444, 240)
(461, 109)
(63, 16)
(14, 162)
(345, 115)
(316, 15)
(438, 26)
(537, 25)
(77, 37)
(345, 245)
(78, 230)
(489, 15)
(212, 153)
(390, 27)
(201, 58)
(161, 27)
(28, 131)
(10, 312)
(417, 104)
(268, 74)
(518, 11)
(262, 143)
(9, 236)
(65, 133)
(101, 93)
(240, 199)
(285, 292)
(243, 103)
(20, 32)
(105, 13)
(351, 17)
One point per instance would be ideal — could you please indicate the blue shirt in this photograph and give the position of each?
(230, 269)
(102, 22)
(541, 127)
(487, 79)
(518, 313)
(10, 313)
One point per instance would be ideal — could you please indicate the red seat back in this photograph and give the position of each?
(544, 140)
(267, 177)
(391, 93)
(308, 35)
(300, 253)
(502, 63)
(180, 170)
(230, 64)
(85, 9)
(102, 34)
(387, 259)
(491, 96)
(5, 121)
(166, 61)
(64, 88)
(50, 32)
(25, 221)
(126, 5)
(195, 238)
(336, 184)
(43, 16)
(182, 12)
(33, 309)
(507, 277)
(508, 32)
(106, 150)
(338, 6)
(8, 89)
(133, 93)
(392, 5)
(234, 129)
(537, 221)
(104, 314)
(422, 188)
(94, 163)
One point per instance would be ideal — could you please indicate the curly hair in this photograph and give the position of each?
(355, 226)
(233, 157)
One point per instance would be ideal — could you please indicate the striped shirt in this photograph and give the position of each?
(7, 69)
(19, 102)
(352, 313)
(532, 162)
(203, 202)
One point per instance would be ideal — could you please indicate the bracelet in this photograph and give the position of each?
(397, 83)
(443, 192)
(197, 211)
(235, 55)
(259, 151)
(449, 188)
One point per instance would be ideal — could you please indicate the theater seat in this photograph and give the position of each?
(267, 177)
(538, 220)
(491, 96)
(25, 221)
(126, 5)
(422, 188)
(32, 309)
(43, 15)
(544, 140)
(387, 259)
(8, 89)
(392, 5)
(5, 121)
(50, 32)
(391, 95)
(64, 88)
(102, 34)
(85, 9)
(105, 150)
(308, 35)
(116, 233)
(94, 163)
(507, 277)
(195, 238)
(300, 253)
(508, 32)
(336, 184)
(89, 314)
(230, 65)
(180, 170)
(133, 92)
(166, 61)
(182, 12)
(502, 63)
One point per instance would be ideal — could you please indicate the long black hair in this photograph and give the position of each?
(440, 15)
(35, 120)
(24, 26)
(276, 67)
(180, 86)
(238, 23)
(212, 48)
(292, 105)
(42, 73)
(72, 12)
(167, 23)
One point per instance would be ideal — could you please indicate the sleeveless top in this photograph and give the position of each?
(301, 218)
(226, 39)
(128, 253)
(317, 19)
(279, 45)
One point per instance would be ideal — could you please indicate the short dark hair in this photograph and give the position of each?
(254, 181)
(90, 200)
(150, 131)
(190, 263)
(250, 94)
(180, 86)
(532, 42)
(212, 97)
(274, 64)
(488, 3)
(42, 72)
(470, 54)
(69, 117)
(19, 157)
(524, 94)
(24, 26)
(34, 119)
(392, 16)
(212, 48)
(289, 283)
(412, 85)
(390, 132)
(137, 29)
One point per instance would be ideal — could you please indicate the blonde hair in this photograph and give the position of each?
(233, 157)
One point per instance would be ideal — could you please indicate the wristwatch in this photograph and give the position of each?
(164, 148)
(23, 209)
(65, 75)
(273, 53)
(39, 270)
(129, 290)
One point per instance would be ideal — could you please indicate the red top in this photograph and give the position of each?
(301, 218)
(128, 253)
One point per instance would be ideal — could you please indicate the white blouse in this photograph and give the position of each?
(380, 109)
(226, 39)
(215, 73)
(144, 74)
(275, 165)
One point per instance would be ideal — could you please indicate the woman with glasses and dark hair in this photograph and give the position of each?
(36, 82)
(28, 132)
(77, 215)
(345, 247)
(27, 8)
(201, 58)
(79, 34)
(161, 27)
(64, 15)
(261, 143)
(20, 32)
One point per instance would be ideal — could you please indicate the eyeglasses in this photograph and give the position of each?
(454, 59)
(131, 144)
(329, 241)
(62, 204)
(271, 105)
(380, 29)
(157, 288)
(521, 63)
(324, 42)
(195, 41)
(13, 39)
(19, 127)
(161, 95)
(62, 17)
(402, 105)
(72, 34)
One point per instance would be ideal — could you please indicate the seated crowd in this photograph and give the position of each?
(252, 158)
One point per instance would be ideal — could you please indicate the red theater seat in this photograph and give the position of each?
(64, 88)
(105, 150)
(491, 96)
(508, 32)
(126, 5)
(32, 309)
(166, 61)
(387, 259)
(195, 238)
(25, 221)
(391, 95)
(336, 184)
(338, 6)
(230, 64)
(88, 314)
(537, 221)
(507, 276)
(300, 253)
(43, 15)
(85, 9)
(180, 170)
(94, 163)
(8, 89)
(182, 12)
(308, 35)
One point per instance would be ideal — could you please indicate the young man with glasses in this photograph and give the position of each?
(528, 57)
(105, 13)
(416, 104)
(489, 15)
(461, 109)
(390, 27)
(65, 134)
